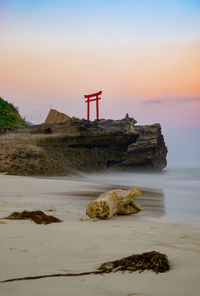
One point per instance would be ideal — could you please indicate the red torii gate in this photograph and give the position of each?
(91, 100)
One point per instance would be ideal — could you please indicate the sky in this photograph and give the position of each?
(144, 56)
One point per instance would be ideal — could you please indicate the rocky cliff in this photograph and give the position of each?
(81, 145)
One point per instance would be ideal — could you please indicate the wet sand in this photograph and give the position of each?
(79, 244)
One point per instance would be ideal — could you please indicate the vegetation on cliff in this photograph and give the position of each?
(9, 115)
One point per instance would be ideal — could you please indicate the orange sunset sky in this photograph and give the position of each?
(144, 56)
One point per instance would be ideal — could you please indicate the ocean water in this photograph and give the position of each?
(171, 195)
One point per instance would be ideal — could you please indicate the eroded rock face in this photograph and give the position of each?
(81, 145)
(55, 117)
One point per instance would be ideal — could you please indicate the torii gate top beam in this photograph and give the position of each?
(93, 95)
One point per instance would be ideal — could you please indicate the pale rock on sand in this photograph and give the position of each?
(112, 202)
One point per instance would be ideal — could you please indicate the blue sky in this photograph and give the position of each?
(160, 19)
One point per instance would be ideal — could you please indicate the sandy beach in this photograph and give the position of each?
(80, 244)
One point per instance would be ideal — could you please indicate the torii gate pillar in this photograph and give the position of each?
(88, 97)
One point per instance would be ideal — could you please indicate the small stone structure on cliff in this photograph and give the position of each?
(82, 145)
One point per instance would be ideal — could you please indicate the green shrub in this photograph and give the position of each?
(9, 115)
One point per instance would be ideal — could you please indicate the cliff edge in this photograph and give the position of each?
(81, 145)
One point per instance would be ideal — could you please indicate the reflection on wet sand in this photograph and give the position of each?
(153, 202)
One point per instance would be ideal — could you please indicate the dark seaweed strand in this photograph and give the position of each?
(154, 261)
(50, 275)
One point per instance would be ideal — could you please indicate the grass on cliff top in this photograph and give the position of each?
(9, 115)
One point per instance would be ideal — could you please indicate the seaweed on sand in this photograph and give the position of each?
(37, 216)
(154, 261)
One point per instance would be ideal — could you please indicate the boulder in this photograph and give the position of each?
(55, 117)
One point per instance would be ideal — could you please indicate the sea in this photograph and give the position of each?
(172, 195)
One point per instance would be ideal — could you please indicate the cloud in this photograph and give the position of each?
(185, 100)
(154, 101)
(171, 100)
(191, 99)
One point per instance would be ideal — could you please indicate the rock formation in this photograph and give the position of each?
(81, 145)
(55, 117)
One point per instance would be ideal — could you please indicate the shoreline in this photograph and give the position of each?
(80, 244)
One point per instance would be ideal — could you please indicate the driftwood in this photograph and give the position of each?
(116, 201)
